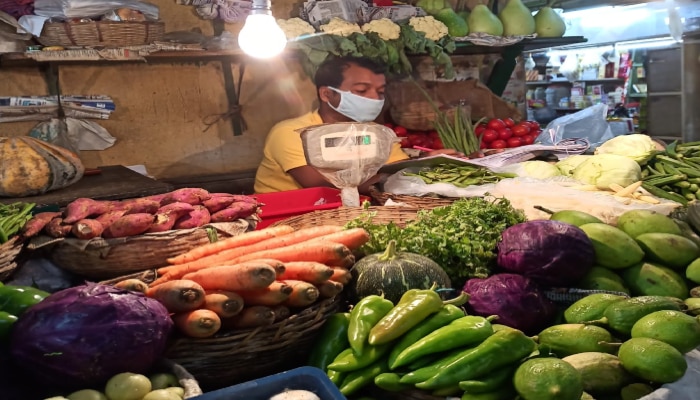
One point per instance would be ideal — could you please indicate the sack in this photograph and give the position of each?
(10, 40)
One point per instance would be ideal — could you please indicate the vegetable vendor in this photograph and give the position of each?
(348, 89)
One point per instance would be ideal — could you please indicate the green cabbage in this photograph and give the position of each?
(539, 169)
(637, 146)
(567, 165)
(603, 170)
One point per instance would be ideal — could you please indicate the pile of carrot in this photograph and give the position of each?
(256, 278)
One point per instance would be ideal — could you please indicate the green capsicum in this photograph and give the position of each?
(498, 350)
(360, 378)
(412, 309)
(366, 313)
(352, 362)
(390, 381)
(332, 340)
(447, 314)
(14, 301)
(491, 382)
(424, 373)
(461, 332)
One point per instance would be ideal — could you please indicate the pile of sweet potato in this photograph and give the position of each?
(185, 208)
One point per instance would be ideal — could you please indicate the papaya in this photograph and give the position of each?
(676, 328)
(567, 339)
(650, 279)
(674, 251)
(692, 271)
(652, 360)
(574, 217)
(601, 278)
(613, 248)
(638, 222)
(602, 373)
(590, 308)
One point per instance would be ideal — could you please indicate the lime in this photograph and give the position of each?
(652, 360)
(127, 386)
(676, 328)
(548, 378)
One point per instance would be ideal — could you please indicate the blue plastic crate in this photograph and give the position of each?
(302, 378)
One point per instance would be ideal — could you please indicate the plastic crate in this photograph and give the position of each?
(302, 378)
(282, 205)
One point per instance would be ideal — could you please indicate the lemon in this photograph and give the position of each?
(548, 379)
(127, 386)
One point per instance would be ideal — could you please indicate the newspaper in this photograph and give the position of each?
(43, 108)
(318, 12)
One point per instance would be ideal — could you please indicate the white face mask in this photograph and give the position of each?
(357, 108)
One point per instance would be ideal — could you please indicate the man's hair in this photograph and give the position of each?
(330, 73)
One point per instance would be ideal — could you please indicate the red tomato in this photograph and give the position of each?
(433, 134)
(405, 143)
(514, 142)
(415, 138)
(479, 129)
(520, 129)
(489, 135)
(437, 144)
(509, 122)
(496, 124)
(400, 131)
(498, 144)
(389, 125)
(505, 133)
(528, 139)
(483, 145)
(534, 125)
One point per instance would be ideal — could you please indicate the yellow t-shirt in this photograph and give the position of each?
(283, 151)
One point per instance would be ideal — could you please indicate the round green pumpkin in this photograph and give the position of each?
(392, 273)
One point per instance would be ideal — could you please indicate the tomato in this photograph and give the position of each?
(400, 131)
(520, 129)
(483, 145)
(489, 135)
(496, 124)
(498, 144)
(479, 129)
(405, 143)
(509, 122)
(437, 144)
(389, 125)
(514, 142)
(505, 133)
(433, 134)
(528, 139)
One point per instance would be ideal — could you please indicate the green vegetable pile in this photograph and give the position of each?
(391, 53)
(674, 174)
(462, 237)
(460, 176)
(12, 219)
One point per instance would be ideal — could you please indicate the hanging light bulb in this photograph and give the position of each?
(261, 37)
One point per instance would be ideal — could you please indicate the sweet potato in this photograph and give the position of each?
(235, 211)
(129, 225)
(87, 229)
(109, 217)
(195, 218)
(37, 223)
(84, 207)
(57, 228)
(165, 221)
(218, 203)
(138, 206)
(186, 195)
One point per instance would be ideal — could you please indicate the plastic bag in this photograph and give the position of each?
(570, 68)
(78, 134)
(590, 124)
(348, 154)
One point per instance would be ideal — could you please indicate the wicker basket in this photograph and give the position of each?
(243, 355)
(108, 258)
(101, 33)
(341, 216)
(421, 202)
(418, 116)
(8, 257)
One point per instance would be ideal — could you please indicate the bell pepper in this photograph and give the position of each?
(462, 332)
(366, 313)
(14, 301)
(360, 378)
(501, 349)
(332, 340)
(447, 314)
(412, 309)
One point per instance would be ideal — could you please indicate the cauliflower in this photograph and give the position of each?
(295, 27)
(384, 27)
(433, 29)
(340, 27)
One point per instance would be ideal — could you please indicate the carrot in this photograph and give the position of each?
(303, 294)
(341, 274)
(226, 256)
(308, 271)
(234, 277)
(281, 312)
(178, 295)
(353, 238)
(134, 285)
(322, 252)
(224, 303)
(329, 289)
(200, 323)
(229, 243)
(276, 264)
(250, 317)
(276, 293)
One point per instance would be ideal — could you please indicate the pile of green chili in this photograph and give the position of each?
(12, 219)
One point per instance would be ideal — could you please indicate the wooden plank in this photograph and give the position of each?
(115, 182)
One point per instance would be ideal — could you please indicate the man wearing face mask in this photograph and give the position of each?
(348, 89)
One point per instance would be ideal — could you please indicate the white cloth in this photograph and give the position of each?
(32, 23)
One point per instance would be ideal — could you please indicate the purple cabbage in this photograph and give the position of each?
(517, 301)
(553, 253)
(82, 336)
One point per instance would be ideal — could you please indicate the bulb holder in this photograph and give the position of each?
(261, 7)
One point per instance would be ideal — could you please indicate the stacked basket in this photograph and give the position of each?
(101, 33)
(8, 257)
